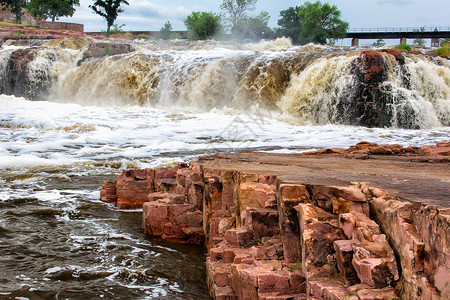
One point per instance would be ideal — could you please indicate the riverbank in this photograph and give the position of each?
(368, 222)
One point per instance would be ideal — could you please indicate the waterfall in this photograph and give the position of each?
(311, 84)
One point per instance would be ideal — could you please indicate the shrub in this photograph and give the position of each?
(175, 36)
(143, 36)
(403, 47)
(444, 50)
(115, 29)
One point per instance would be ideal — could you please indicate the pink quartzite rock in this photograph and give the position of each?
(256, 195)
(395, 218)
(265, 279)
(344, 256)
(270, 237)
(358, 226)
(173, 221)
(318, 231)
(375, 262)
(327, 290)
(433, 224)
(240, 237)
(289, 196)
(261, 222)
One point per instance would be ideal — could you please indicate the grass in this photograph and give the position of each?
(403, 47)
(444, 50)
(143, 36)
(4, 24)
(297, 266)
(19, 33)
(354, 294)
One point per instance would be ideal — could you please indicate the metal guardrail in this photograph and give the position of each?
(398, 29)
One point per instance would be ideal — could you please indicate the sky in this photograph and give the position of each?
(149, 15)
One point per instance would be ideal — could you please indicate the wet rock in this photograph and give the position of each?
(173, 221)
(21, 80)
(99, 50)
(397, 53)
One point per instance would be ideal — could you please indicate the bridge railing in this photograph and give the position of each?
(398, 29)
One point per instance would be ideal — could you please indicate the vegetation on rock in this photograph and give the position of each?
(403, 47)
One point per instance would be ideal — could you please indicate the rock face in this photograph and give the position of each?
(28, 33)
(272, 238)
(18, 78)
(105, 49)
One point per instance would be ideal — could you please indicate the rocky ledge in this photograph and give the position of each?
(332, 224)
(31, 33)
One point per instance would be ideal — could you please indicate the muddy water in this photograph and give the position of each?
(59, 242)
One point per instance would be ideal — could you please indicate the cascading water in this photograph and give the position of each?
(158, 103)
(317, 85)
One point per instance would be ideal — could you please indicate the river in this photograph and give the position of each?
(59, 241)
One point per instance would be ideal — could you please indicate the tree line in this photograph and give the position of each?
(310, 22)
(314, 22)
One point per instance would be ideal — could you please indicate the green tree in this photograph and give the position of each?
(202, 25)
(236, 11)
(165, 31)
(379, 43)
(320, 22)
(290, 25)
(420, 41)
(52, 9)
(15, 6)
(254, 28)
(108, 9)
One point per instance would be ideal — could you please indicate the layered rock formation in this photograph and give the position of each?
(273, 232)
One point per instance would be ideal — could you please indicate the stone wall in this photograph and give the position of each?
(269, 238)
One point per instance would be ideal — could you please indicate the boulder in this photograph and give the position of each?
(21, 80)
(103, 49)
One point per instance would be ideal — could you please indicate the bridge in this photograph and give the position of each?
(402, 33)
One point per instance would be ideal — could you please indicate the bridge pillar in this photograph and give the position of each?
(355, 42)
(403, 41)
(434, 42)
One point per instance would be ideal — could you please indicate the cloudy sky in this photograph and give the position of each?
(150, 15)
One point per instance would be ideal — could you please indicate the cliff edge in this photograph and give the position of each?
(368, 222)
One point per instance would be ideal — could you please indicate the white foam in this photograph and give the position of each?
(48, 196)
(53, 270)
(4, 196)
